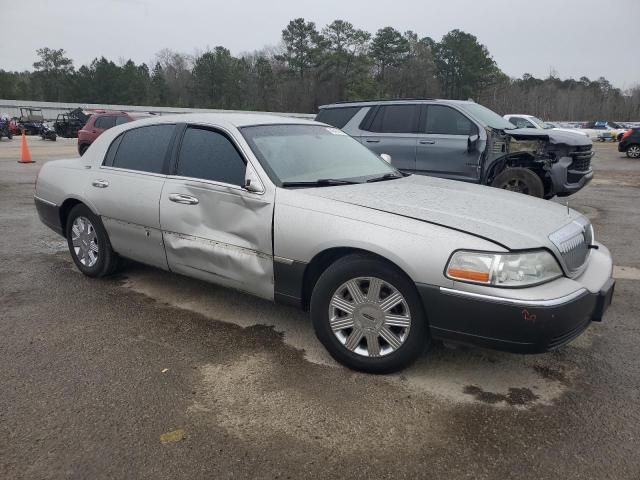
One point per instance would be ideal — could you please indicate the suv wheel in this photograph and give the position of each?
(633, 151)
(521, 180)
(89, 243)
(368, 315)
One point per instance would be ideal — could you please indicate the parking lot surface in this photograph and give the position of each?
(148, 374)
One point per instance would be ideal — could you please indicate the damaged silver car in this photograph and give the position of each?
(298, 212)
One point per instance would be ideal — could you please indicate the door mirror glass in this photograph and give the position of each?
(386, 157)
(252, 182)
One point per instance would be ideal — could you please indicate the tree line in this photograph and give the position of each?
(311, 67)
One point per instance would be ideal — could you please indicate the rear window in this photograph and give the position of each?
(337, 117)
(105, 122)
(143, 148)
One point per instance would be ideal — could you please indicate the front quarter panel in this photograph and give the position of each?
(305, 226)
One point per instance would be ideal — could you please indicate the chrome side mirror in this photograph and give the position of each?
(386, 157)
(252, 182)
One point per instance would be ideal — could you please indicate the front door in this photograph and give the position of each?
(214, 229)
(443, 146)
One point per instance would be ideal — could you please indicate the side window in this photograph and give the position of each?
(143, 148)
(210, 155)
(105, 122)
(337, 117)
(395, 119)
(448, 121)
(121, 120)
(111, 153)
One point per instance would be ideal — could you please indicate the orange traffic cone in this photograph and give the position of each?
(26, 154)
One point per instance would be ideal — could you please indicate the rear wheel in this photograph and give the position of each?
(368, 315)
(521, 180)
(89, 243)
(633, 151)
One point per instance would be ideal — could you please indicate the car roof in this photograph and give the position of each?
(367, 103)
(227, 119)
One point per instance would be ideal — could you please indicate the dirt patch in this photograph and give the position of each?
(515, 396)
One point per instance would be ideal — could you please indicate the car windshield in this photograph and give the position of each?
(313, 153)
(539, 123)
(487, 117)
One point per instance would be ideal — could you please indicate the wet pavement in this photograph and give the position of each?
(147, 374)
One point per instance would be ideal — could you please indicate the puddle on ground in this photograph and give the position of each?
(453, 373)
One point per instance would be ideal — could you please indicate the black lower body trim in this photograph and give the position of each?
(288, 281)
(512, 327)
(49, 215)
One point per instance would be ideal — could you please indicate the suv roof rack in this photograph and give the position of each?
(382, 100)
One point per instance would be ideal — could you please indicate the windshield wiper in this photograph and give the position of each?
(322, 182)
(386, 176)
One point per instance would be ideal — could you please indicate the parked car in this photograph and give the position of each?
(101, 121)
(529, 121)
(603, 130)
(463, 140)
(295, 211)
(630, 143)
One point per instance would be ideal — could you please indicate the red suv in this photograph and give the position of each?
(99, 122)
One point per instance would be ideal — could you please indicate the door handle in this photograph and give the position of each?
(100, 183)
(427, 142)
(372, 141)
(183, 199)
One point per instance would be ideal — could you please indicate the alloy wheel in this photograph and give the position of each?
(634, 151)
(369, 317)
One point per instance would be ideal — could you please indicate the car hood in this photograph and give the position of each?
(512, 220)
(553, 135)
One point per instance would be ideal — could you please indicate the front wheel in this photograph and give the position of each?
(520, 180)
(368, 315)
(633, 151)
(89, 243)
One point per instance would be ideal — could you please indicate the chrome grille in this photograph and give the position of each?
(573, 242)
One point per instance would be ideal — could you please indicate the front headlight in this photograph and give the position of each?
(503, 269)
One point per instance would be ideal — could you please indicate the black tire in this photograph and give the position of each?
(633, 151)
(521, 180)
(9, 135)
(359, 265)
(107, 259)
(82, 149)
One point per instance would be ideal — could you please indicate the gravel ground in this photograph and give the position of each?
(152, 375)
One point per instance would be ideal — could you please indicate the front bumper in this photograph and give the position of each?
(532, 326)
(567, 181)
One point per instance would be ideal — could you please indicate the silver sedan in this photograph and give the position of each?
(298, 212)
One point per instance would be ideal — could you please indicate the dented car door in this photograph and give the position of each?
(212, 227)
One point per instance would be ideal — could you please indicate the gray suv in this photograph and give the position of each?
(463, 140)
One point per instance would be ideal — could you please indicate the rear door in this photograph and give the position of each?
(393, 129)
(443, 147)
(126, 191)
(214, 229)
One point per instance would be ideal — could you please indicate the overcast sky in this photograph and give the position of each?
(573, 37)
